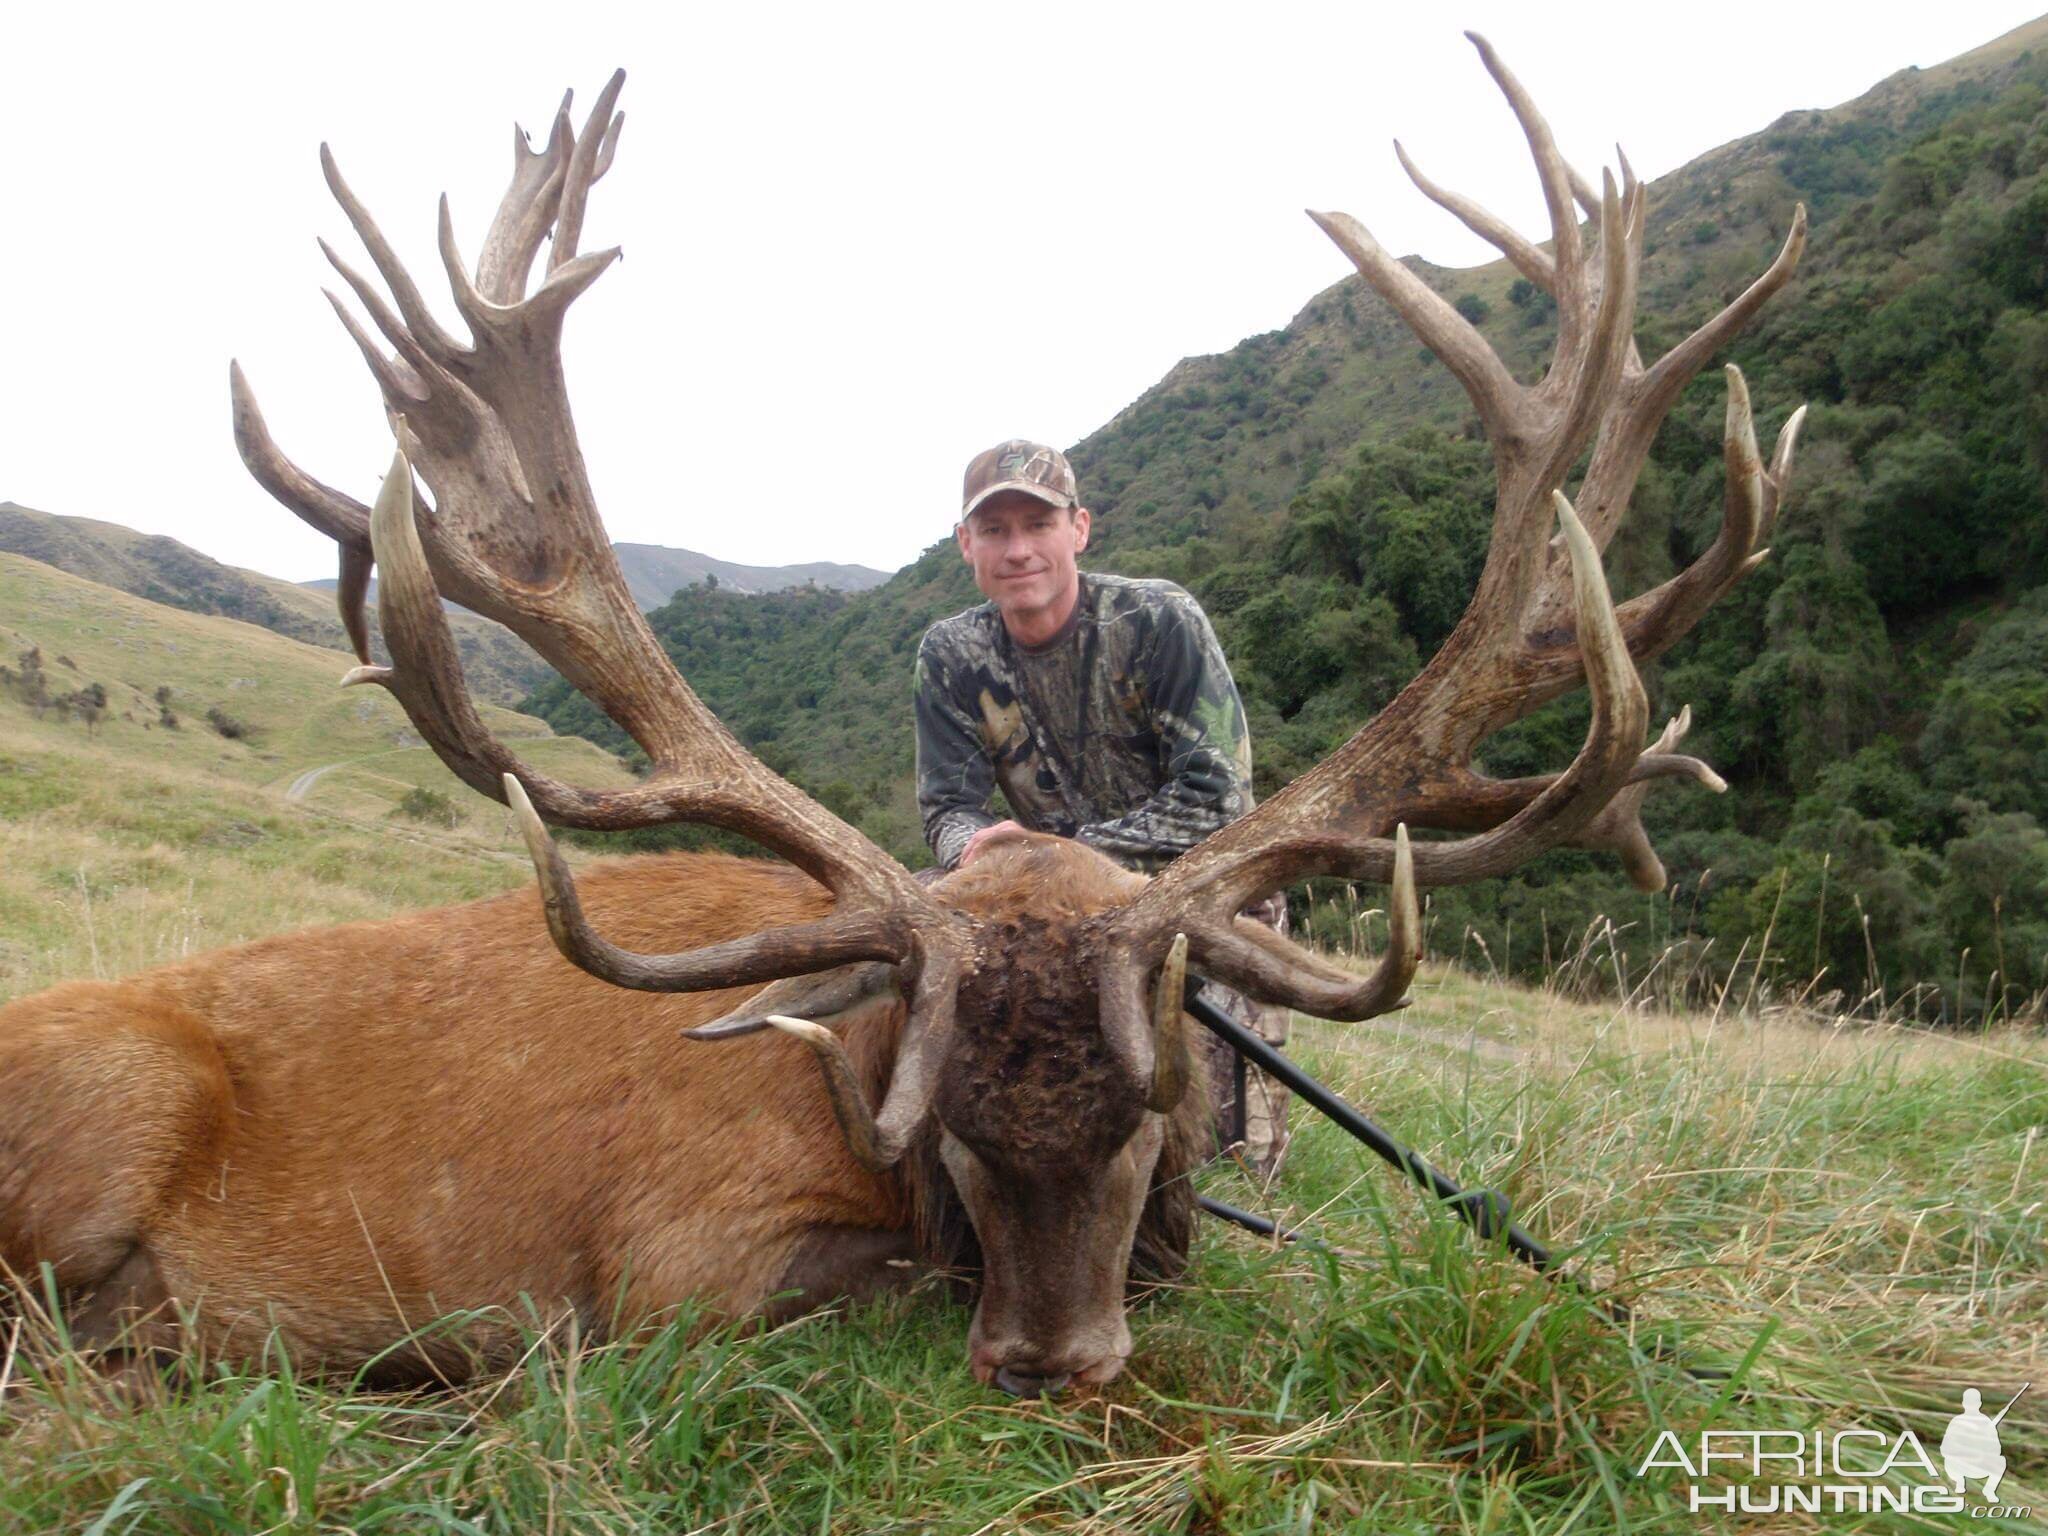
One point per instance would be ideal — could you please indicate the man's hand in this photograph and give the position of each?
(988, 837)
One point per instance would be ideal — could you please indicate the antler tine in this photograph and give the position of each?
(840, 939)
(610, 148)
(878, 1140)
(1311, 827)
(1450, 335)
(871, 1147)
(1170, 1062)
(526, 211)
(335, 513)
(1251, 956)
(1528, 258)
(1743, 511)
(403, 389)
(1148, 1043)
(385, 320)
(1656, 620)
(1629, 182)
(1599, 367)
(1608, 347)
(426, 330)
(1675, 369)
(1583, 194)
(341, 517)
(582, 171)
(1557, 194)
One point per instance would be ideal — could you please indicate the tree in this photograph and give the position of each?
(1994, 905)
(31, 685)
(1812, 697)
(1987, 736)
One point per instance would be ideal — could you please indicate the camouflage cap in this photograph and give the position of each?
(1017, 465)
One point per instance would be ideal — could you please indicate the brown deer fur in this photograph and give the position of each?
(347, 1132)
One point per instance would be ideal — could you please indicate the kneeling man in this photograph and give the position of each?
(1103, 708)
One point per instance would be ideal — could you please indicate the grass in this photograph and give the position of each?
(1844, 1216)
(1849, 1217)
(135, 844)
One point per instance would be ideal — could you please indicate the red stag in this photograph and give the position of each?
(342, 1133)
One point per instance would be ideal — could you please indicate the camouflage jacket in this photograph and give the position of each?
(1124, 730)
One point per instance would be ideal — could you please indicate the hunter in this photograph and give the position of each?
(1103, 709)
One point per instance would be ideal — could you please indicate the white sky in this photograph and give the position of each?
(862, 242)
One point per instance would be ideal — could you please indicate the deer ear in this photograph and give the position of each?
(820, 998)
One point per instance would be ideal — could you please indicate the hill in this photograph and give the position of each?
(268, 803)
(500, 666)
(655, 572)
(1872, 693)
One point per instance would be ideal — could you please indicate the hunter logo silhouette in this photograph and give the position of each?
(1969, 1446)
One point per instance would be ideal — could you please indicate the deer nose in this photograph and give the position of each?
(1028, 1384)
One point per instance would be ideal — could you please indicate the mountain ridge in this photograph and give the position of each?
(501, 667)
(655, 572)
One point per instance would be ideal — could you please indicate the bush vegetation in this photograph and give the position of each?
(429, 806)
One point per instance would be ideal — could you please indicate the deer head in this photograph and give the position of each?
(1040, 990)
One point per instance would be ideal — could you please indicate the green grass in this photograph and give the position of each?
(1848, 1211)
(1848, 1216)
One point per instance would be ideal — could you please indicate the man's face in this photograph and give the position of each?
(1023, 552)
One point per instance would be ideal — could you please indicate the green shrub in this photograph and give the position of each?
(430, 806)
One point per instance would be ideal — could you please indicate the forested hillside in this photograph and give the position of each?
(1877, 694)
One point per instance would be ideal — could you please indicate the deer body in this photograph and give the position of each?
(352, 1129)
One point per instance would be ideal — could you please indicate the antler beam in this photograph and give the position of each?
(1531, 631)
(512, 531)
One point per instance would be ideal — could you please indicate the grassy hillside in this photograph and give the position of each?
(1872, 694)
(501, 667)
(127, 842)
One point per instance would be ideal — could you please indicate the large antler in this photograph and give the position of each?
(1540, 619)
(513, 532)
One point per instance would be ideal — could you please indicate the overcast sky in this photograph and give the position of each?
(862, 242)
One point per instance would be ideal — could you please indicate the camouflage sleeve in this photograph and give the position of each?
(1204, 747)
(955, 779)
